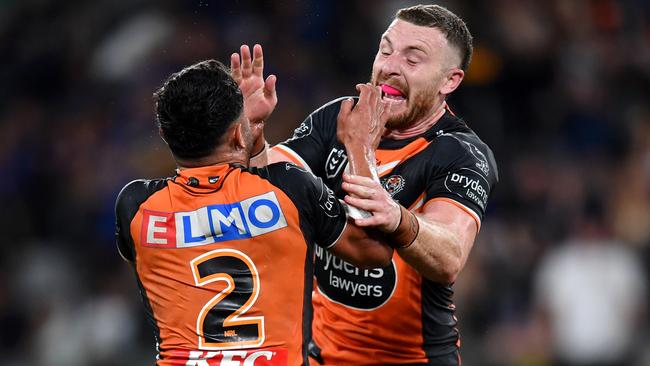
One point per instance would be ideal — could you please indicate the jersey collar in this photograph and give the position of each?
(447, 123)
(207, 177)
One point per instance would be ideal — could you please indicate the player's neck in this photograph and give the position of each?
(419, 127)
(238, 157)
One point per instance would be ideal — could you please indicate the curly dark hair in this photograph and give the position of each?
(195, 107)
(454, 28)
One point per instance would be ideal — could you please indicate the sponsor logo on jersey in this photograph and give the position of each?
(328, 201)
(335, 161)
(257, 357)
(214, 223)
(469, 184)
(361, 289)
(393, 184)
(482, 163)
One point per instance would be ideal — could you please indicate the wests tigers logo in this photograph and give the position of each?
(393, 184)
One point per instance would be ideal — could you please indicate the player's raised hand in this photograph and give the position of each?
(259, 94)
(363, 123)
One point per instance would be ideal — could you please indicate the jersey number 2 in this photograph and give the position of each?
(220, 324)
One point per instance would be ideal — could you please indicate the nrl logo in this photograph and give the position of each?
(335, 161)
(482, 163)
(393, 184)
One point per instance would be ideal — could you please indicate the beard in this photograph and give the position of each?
(418, 106)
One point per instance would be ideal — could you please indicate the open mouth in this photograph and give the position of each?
(392, 94)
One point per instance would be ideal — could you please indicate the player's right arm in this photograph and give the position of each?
(324, 219)
(260, 97)
(306, 146)
(360, 127)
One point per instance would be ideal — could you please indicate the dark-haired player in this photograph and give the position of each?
(435, 174)
(224, 254)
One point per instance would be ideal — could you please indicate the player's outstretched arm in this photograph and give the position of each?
(260, 97)
(359, 128)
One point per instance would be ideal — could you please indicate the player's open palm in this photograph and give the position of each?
(260, 97)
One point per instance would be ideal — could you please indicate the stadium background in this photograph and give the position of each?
(559, 89)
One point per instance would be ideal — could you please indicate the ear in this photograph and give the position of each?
(239, 141)
(452, 81)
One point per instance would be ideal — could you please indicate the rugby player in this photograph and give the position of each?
(223, 254)
(436, 175)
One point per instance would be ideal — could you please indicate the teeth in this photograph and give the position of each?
(393, 98)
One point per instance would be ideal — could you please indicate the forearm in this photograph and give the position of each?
(428, 246)
(362, 160)
(363, 248)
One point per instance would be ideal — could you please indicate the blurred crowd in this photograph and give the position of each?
(559, 89)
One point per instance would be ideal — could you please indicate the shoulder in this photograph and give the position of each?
(301, 186)
(137, 191)
(329, 110)
(464, 149)
(334, 104)
(283, 174)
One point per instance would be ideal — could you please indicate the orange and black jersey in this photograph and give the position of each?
(224, 260)
(392, 315)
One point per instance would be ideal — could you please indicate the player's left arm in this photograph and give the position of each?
(445, 238)
(437, 241)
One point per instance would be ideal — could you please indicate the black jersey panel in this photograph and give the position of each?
(438, 321)
(126, 206)
(312, 139)
(322, 216)
(465, 170)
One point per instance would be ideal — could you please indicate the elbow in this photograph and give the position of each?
(451, 264)
(444, 273)
(450, 270)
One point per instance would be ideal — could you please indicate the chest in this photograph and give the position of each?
(403, 173)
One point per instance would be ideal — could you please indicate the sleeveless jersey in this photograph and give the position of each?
(392, 315)
(224, 260)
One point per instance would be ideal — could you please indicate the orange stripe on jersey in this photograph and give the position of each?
(418, 203)
(292, 156)
(468, 210)
(388, 159)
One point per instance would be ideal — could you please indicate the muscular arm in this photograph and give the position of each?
(359, 127)
(361, 248)
(436, 243)
(443, 243)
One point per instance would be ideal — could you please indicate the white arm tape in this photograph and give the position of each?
(354, 212)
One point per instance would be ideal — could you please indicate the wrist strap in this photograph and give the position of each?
(407, 230)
